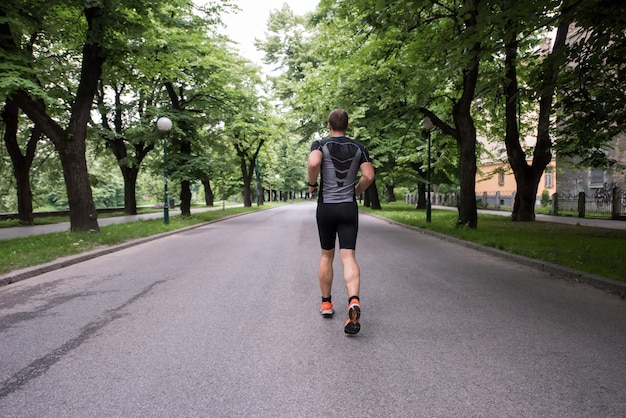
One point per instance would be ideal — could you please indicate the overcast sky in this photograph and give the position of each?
(251, 21)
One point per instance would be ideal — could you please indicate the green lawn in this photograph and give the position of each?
(592, 250)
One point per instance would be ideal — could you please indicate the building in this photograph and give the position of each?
(496, 185)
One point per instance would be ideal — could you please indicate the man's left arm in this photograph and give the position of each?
(367, 178)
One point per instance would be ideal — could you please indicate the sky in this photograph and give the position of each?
(251, 21)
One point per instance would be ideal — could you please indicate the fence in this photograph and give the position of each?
(495, 201)
(605, 203)
(441, 199)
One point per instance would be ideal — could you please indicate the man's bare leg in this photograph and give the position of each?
(325, 272)
(325, 275)
(351, 272)
(352, 277)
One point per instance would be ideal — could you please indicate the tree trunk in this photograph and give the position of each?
(524, 204)
(372, 193)
(209, 199)
(466, 135)
(261, 193)
(185, 184)
(21, 163)
(248, 173)
(247, 195)
(83, 215)
(130, 186)
(391, 197)
(421, 186)
(185, 198)
(71, 148)
(421, 196)
(468, 211)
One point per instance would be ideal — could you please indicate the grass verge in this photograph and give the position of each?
(18, 253)
(592, 250)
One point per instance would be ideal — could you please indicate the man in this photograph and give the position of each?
(337, 160)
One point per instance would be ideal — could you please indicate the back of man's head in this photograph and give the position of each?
(338, 120)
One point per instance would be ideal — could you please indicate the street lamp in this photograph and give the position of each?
(164, 125)
(428, 126)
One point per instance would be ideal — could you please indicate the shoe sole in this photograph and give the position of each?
(327, 313)
(352, 326)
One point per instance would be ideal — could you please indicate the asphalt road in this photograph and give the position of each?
(223, 321)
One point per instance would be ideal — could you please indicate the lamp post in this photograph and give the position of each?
(258, 182)
(164, 125)
(428, 126)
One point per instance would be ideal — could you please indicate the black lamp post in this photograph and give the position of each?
(258, 182)
(164, 125)
(428, 126)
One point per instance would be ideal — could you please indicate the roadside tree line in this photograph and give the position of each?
(83, 83)
(503, 70)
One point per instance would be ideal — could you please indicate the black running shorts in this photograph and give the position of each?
(338, 219)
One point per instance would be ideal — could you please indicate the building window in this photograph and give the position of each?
(549, 178)
(597, 177)
(501, 179)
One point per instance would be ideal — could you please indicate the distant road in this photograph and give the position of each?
(222, 321)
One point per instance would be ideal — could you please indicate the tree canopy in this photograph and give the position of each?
(83, 84)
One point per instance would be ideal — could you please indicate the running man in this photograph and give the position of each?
(337, 160)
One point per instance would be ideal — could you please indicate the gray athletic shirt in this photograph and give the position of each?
(341, 159)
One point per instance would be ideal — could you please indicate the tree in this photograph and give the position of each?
(591, 101)
(128, 145)
(584, 128)
(247, 136)
(69, 141)
(198, 73)
(528, 176)
(21, 162)
(115, 47)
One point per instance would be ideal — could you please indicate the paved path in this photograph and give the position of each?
(596, 223)
(25, 231)
(222, 321)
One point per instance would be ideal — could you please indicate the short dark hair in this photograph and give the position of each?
(338, 120)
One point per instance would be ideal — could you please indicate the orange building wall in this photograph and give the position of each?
(487, 180)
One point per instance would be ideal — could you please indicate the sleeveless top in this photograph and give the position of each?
(341, 159)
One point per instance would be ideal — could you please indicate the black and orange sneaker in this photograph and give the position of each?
(327, 309)
(354, 313)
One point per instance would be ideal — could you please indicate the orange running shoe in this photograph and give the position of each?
(327, 309)
(354, 313)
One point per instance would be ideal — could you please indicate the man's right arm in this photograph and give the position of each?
(314, 165)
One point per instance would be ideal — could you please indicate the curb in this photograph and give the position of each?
(561, 272)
